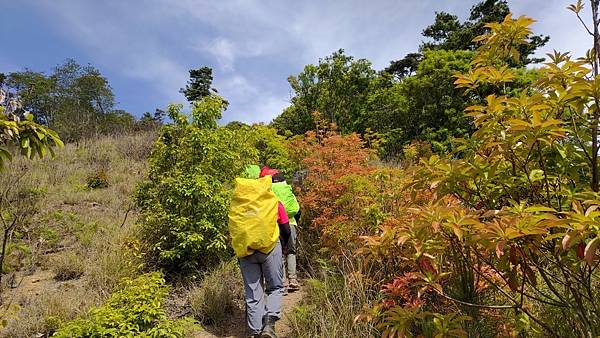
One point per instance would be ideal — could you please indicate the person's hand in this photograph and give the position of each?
(285, 250)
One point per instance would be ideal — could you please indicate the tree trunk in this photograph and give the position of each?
(3, 254)
(596, 116)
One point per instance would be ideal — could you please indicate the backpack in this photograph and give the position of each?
(253, 216)
(251, 171)
(286, 196)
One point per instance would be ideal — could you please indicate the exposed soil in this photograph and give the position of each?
(29, 286)
(236, 328)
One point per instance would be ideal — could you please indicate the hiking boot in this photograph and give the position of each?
(268, 330)
(293, 285)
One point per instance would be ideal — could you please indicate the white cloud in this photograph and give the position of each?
(253, 45)
(236, 85)
(270, 107)
(266, 108)
(114, 42)
(224, 52)
(167, 75)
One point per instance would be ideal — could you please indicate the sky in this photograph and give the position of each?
(146, 47)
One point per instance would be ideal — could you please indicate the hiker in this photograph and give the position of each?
(284, 192)
(259, 228)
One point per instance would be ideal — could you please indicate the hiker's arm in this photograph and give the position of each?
(284, 225)
(284, 233)
(297, 215)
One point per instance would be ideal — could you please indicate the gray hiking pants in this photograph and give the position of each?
(255, 268)
(291, 256)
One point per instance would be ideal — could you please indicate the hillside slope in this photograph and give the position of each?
(74, 242)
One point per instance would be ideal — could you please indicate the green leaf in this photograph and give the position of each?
(24, 142)
(539, 208)
(536, 175)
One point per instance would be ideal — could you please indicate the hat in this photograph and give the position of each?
(268, 171)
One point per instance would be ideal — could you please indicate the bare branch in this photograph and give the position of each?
(584, 25)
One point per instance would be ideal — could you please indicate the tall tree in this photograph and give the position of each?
(448, 33)
(337, 88)
(84, 96)
(406, 66)
(199, 84)
(36, 92)
(116, 122)
(412, 99)
(72, 100)
(424, 106)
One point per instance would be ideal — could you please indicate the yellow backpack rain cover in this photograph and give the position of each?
(253, 216)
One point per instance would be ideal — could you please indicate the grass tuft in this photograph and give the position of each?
(219, 294)
(42, 315)
(68, 265)
(330, 306)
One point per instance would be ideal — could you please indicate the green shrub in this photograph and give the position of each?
(185, 200)
(17, 256)
(133, 311)
(85, 232)
(219, 294)
(49, 236)
(272, 149)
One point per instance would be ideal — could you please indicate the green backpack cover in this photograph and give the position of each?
(286, 196)
(251, 171)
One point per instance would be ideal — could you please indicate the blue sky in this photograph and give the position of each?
(146, 47)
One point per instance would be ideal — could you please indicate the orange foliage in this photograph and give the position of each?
(329, 162)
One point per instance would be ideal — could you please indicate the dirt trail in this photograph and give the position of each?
(237, 327)
(28, 286)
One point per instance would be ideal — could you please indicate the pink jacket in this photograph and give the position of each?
(282, 217)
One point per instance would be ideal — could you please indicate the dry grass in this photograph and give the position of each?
(331, 304)
(79, 232)
(136, 147)
(113, 255)
(68, 265)
(219, 294)
(43, 314)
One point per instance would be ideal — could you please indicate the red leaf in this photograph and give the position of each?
(530, 275)
(570, 239)
(514, 258)
(580, 250)
(590, 250)
(500, 248)
(513, 280)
